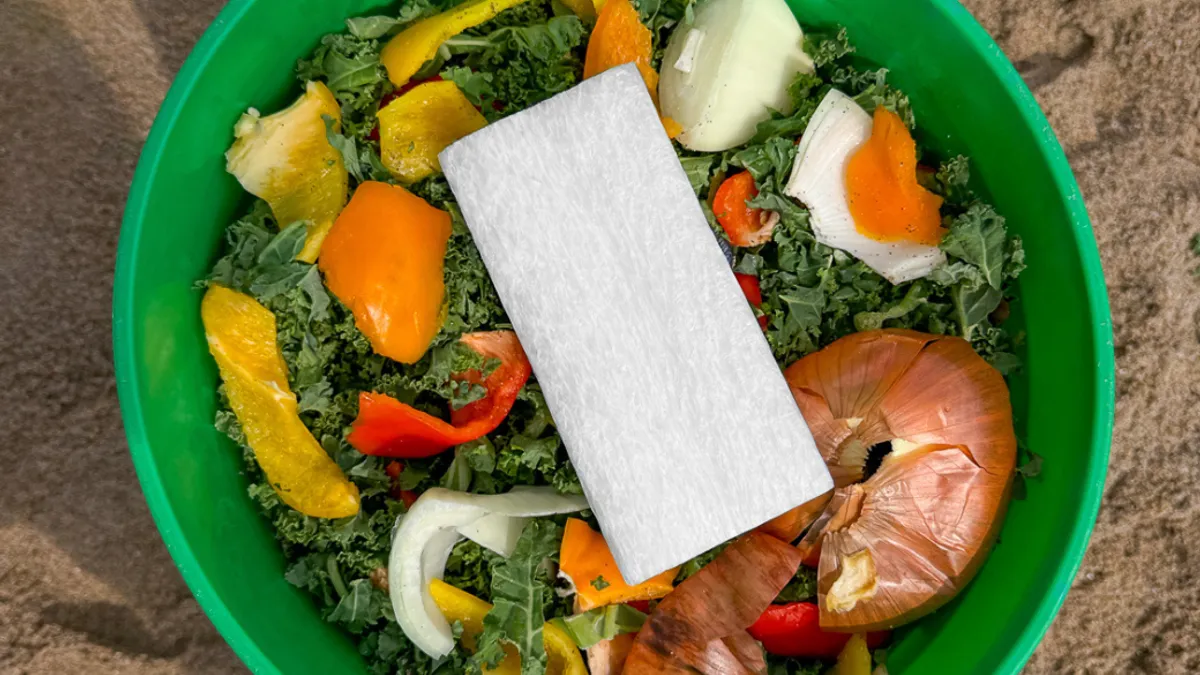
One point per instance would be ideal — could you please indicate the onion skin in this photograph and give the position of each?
(701, 626)
(932, 511)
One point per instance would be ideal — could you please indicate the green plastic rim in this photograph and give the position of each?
(168, 522)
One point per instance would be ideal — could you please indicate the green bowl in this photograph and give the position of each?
(967, 97)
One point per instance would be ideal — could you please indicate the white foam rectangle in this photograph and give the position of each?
(667, 397)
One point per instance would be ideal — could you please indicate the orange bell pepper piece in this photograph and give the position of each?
(585, 558)
(383, 259)
(241, 337)
(619, 38)
(386, 427)
(885, 198)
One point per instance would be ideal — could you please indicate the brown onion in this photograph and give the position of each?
(905, 541)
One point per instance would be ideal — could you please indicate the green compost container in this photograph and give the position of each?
(968, 99)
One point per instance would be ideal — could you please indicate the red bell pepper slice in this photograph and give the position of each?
(794, 630)
(745, 226)
(388, 428)
(753, 292)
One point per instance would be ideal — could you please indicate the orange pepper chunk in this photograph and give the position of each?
(619, 38)
(383, 259)
(585, 558)
(886, 201)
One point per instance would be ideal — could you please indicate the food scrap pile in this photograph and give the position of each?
(397, 439)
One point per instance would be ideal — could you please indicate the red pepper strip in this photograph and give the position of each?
(750, 287)
(389, 428)
(753, 292)
(794, 630)
(700, 626)
(745, 226)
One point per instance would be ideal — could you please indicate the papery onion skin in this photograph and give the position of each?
(701, 626)
(932, 511)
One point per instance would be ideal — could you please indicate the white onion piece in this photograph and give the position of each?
(723, 73)
(425, 536)
(496, 532)
(837, 129)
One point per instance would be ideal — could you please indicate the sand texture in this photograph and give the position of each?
(87, 586)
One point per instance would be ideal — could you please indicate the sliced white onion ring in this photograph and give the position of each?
(425, 536)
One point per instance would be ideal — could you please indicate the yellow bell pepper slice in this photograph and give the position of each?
(458, 605)
(587, 10)
(586, 559)
(417, 126)
(404, 54)
(241, 337)
(855, 658)
(286, 159)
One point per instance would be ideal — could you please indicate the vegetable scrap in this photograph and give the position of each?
(743, 224)
(699, 626)
(384, 259)
(724, 71)
(588, 565)
(241, 338)
(390, 428)
(601, 624)
(886, 201)
(469, 611)
(286, 160)
(883, 288)
(419, 43)
(794, 630)
(619, 37)
(427, 534)
(907, 539)
(840, 166)
(419, 124)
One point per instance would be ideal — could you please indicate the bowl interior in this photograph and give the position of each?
(967, 99)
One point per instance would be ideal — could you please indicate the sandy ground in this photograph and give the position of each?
(87, 586)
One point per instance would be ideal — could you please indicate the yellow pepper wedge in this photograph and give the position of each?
(404, 54)
(458, 605)
(286, 159)
(587, 10)
(418, 125)
(855, 658)
(586, 559)
(241, 337)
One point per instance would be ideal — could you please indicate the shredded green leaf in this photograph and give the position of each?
(603, 623)
(520, 590)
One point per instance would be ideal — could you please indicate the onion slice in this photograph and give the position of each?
(425, 536)
(905, 541)
(838, 128)
(725, 71)
(701, 625)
